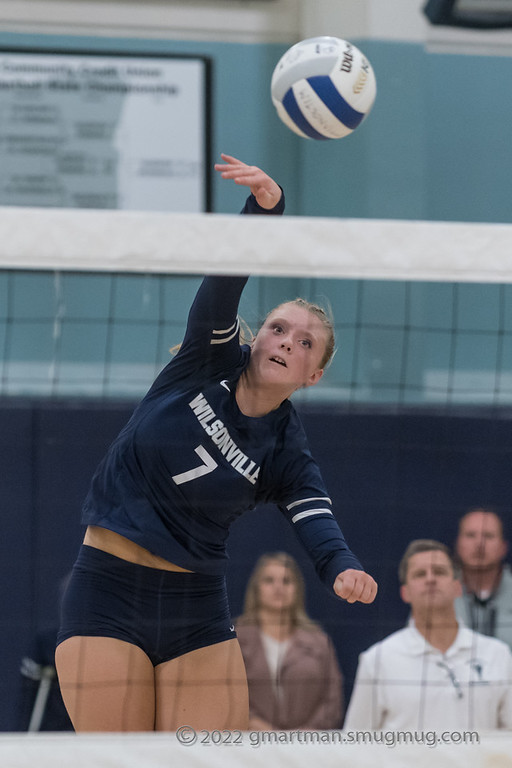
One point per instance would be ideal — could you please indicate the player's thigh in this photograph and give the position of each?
(107, 684)
(206, 688)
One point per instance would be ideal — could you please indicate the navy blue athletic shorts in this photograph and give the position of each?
(166, 613)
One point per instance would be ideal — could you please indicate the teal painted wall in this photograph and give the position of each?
(435, 146)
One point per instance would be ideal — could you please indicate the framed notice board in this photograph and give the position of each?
(105, 131)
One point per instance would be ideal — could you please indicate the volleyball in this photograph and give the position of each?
(323, 88)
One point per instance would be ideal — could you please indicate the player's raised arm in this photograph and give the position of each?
(266, 191)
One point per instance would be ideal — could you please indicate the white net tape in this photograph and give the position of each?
(200, 243)
(254, 750)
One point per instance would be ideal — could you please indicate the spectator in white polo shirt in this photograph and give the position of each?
(434, 674)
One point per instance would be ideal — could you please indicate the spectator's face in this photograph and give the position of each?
(431, 582)
(480, 544)
(277, 588)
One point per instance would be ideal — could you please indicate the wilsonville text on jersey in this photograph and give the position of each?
(215, 428)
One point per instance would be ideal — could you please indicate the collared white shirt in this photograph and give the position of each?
(405, 683)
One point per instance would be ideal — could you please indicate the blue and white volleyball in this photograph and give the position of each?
(323, 88)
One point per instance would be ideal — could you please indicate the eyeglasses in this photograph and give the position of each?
(453, 678)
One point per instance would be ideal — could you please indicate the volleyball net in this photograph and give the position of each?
(92, 300)
(91, 303)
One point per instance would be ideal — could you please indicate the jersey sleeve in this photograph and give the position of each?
(211, 343)
(252, 206)
(213, 325)
(306, 505)
(313, 521)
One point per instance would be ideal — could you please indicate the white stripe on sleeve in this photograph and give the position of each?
(305, 501)
(232, 331)
(309, 513)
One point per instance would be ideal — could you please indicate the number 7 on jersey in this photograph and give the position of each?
(208, 465)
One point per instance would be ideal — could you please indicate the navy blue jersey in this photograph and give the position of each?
(189, 461)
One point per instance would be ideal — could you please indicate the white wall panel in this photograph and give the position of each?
(228, 20)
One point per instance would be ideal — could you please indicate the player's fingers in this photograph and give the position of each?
(355, 586)
(369, 591)
(231, 169)
(231, 160)
(344, 585)
(357, 590)
(249, 179)
(236, 171)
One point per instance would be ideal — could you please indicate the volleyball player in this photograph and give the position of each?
(146, 639)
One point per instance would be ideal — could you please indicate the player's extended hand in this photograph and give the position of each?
(264, 189)
(355, 586)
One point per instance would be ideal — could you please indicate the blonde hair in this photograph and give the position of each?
(298, 615)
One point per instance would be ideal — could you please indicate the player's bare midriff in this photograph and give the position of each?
(115, 544)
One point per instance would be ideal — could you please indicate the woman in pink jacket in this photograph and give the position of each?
(294, 679)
